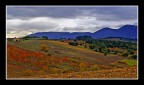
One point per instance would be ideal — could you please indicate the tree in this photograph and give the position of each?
(26, 37)
(45, 37)
(105, 52)
(80, 42)
(86, 45)
(125, 54)
(73, 43)
(96, 49)
(130, 51)
(92, 46)
(108, 50)
(134, 56)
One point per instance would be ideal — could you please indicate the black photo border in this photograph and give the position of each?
(72, 3)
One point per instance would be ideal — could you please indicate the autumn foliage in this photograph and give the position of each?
(21, 55)
(25, 63)
(36, 59)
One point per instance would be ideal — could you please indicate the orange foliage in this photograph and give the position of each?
(20, 54)
(41, 60)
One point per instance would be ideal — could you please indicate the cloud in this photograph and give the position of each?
(121, 12)
(40, 24)
(22, 21)
(58, 12)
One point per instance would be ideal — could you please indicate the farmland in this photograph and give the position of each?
(25, 59)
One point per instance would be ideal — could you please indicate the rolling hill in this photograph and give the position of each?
(26, 60)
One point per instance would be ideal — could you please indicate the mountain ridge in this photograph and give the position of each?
(126, 31)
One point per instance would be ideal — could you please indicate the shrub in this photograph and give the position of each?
(10, 40)
(45, 67)
(92, 46)
(73, 43)
(41, 72)
(130, 51)
(94, 67)
(28, 72)
(116, 51)
(105, 52)
(55, 71)
(44, 47)
(82, 66)
(125, 54)
(96, 49)
(108, 50)
(48, 54)
(134, 56)
(86, 45)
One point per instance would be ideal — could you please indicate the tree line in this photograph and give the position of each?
(103, 46)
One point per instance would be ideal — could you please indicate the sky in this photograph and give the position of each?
(24, 20)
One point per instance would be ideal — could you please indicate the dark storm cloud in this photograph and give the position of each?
(117, 12)
(65, 12)
(43, 11)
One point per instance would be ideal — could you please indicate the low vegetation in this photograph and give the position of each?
(83, 57)
(129, 62)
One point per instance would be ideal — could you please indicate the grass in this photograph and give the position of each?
(124, 63)
(130, 62)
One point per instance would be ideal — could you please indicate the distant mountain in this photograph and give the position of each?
(129, 31)
(126, 31)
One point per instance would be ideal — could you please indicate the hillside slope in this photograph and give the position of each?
(26, 60)
(60, 49)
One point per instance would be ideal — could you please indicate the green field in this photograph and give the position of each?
(130, 62)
